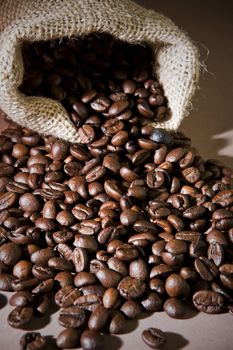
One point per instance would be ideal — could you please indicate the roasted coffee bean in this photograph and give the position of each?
(88, 302)
(84, 279)
(118, 323)
(131, 309)
(176, 286)
(110, 298)
(69, 338)
(22, 298)
(107, 277)
(91, 340)
(174, 308)
(138, 269)
(126, 252)
(22, 269)
(208, 301)
(72, 317)
(131, 288)
(42, 256)
(154, 338)
(66, 296)
(32, 341)
(206, 268)
(10, 253)
(20, 316)
(98, 318)
(8, 200)
(153, 302)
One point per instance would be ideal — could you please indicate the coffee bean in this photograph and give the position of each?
(176, 286)
(72, 317)
(20, 316)
(91, 340)
(131, 288)
(98, 318)
(153, 302)
(174, 308)
(154, 338)
(208, 301)
(68, 338)
(107, 277)
(138, 269)
(10, 253)
(7, 200)
(32, 341)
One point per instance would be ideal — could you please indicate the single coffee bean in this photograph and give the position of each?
(131, 288)
(174, 308)
(32, 341)
(131, 309)
(10, 253)
(20, 316)
(91, 340)
(69, 338)
(208, 301)
(98, 318)
(72, 317)
(176, 286)
(154, 338)
(22, 298)
(118, 323)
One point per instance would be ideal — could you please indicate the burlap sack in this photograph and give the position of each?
(176, 63)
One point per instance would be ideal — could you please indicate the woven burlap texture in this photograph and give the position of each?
(176, 65)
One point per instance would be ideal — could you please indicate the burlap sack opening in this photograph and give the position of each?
(177, 65)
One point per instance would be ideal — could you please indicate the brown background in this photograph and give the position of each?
(210, 25)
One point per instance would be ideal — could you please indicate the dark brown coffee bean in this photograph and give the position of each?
(131, 309)
(112, 190)
(8, 200)
(42, 256)
(174, 308)
(66, 296)
(22, 298)
(88, 302)
(126, 252)
(6, 170)
(98, 318)
(138, 269)
(32, 341)
(20, 316)
(107, 277)
(206, 268)
(208, 301)
(176, 286)
(118, 107)
(153, 302)
(91, 340)
(100, 104)
(69, 338)
(22, 269)
(160, 270)
(110, 298)
(154, 338)
(10, 253)
(131, 288)
(72, 317)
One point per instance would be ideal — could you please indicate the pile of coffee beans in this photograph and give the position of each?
(104, 84)
(130, 219)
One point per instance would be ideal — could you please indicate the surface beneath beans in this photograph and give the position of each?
(130, 219)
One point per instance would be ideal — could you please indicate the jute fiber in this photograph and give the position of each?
(176, 58)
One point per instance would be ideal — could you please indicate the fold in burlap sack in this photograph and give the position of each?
(176, 65)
